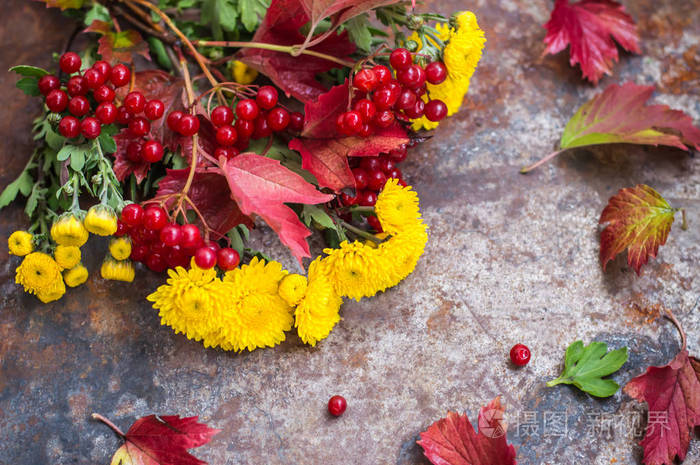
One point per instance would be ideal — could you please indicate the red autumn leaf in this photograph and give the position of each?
(589, 27)
(262, 186)
(453, 441)
(296, 76)
(638, 219)
(210, 194)
(672, 393)
(122, 166)
(325, 154)
(340, 10)
(116, 47)
(161, 440)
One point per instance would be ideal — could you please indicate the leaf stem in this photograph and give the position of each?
(541, 162)
(360, 232)
(684, 224)
(674, 320)
(554, 382)
(115, 428)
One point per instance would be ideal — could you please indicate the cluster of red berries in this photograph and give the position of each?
(250, 119)
(381, 99)
(160, 244)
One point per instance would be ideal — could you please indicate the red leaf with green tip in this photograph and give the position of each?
(340, 10)
(639, 220)
(64, 4)
(589, 27)
(453, 441)
(116, 47)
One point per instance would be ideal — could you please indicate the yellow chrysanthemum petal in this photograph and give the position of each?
(396, 207)
(120, 248)
(258, 275)
(353, 270)
(292, 288)
(399, 255)
(242, 73)
(101, 220)
(20, 243)
(67, 256)
(52, 294)
(75, 276)
(69, 230)
(122, 270)
(38, 272)
(256, 320)
(318, 311)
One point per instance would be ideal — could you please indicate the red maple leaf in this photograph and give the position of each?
(262, 186)
(122, 166)
(453, 441)
(589, 26)
(161, 440)
(116, 47)
(210, 194)
(296, 76)
(325, 154)
(672, 393)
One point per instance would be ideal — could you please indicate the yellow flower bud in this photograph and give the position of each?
(20, 243)
(54, 293)
(114, 270)
(67, 256)
(292, 288)
(69, 230)
(75, 276)
(101, 220)
(38, 272)
(120, 248)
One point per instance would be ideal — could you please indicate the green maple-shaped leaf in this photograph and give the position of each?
(584, 367)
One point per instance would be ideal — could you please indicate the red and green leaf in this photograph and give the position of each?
(262, 186)
(64, 4)
(589, 27)
(453, 440)
(638, 219)
(116, 47)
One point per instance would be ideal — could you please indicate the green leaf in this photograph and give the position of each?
(23, 184)
(107, 143)
(251, 11)
(314, 214)
(65, 153)
(77, 159)
(38, 193)
(584, 367)
(220, 15)
(359, 30)
(54, 139)
(29, 71)
(97, 12)
(29, 85)
(158, 50)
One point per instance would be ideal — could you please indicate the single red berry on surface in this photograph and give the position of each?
(103, 94)
(133, 152)
(156, 262)
(374, 223)
(361, 178)
(132, 214)
(93, 78)
(366, 108)
(384, 118)
(383, 74)
(57, 100)
(122, 229)
(226, 135)
(365, 80)
(386, 96)
(191, 237)
(221, 116)
(104, 68)
(262, 129)
(244, 128)
(154, 109)
(69, 127)
(188, 125)
(70, 62)
(205, 258)
(227, 258)
(90, 127)
(407, 99)
(435, 110)
(139, 253)
(123, 116)
(247, 109)
(278, 119)
(48, 83)
(412, 77)
(367, 198)
(170, 235)
(400, 58)
(106, 112)
(139, 126)
(337, 405)
(120, 75)
(296, 121)
(173, 120)
(417, 110)
(398, 155)
(520, 355)
(152, 151)
(376, 180)
(436, 72)
(267, 97)
(135, 102)
(78, 106)
(76, 86)
(154, 218)
(370, 164)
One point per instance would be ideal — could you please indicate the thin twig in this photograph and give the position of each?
(541, 162)
(674, 320)
(115, 428)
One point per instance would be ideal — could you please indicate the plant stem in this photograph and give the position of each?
(357, 209)
(684, 224)
(541, 162)
(115, 428)
(674, 320)
(291, 49)
(360, 232)
(195, 139)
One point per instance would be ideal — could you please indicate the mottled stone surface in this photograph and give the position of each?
(511, 258)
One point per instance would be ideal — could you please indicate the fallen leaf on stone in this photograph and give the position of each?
(589, 27)
(638, 219)
(453, 440)
(672, 393)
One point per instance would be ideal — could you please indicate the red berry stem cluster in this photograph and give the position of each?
(382, 96)
(161, 244)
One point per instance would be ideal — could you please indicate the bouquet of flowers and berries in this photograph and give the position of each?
(185, 122)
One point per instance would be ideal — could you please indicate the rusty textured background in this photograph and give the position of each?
(511, 259)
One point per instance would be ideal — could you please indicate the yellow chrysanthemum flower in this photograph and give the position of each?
(20, 243)
(52, 294)
(121, 270)
(258, 275)
(353, 270)
(67, 256)
(242, 73)
(101, 220)
(38, 272)
(318, 311)
(292, 288)
(461, 56)
(75, 276)
(120, 248)
(399, 255)
(69, 230)
(396, 207)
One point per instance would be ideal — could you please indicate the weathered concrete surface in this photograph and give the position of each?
(511, 259)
